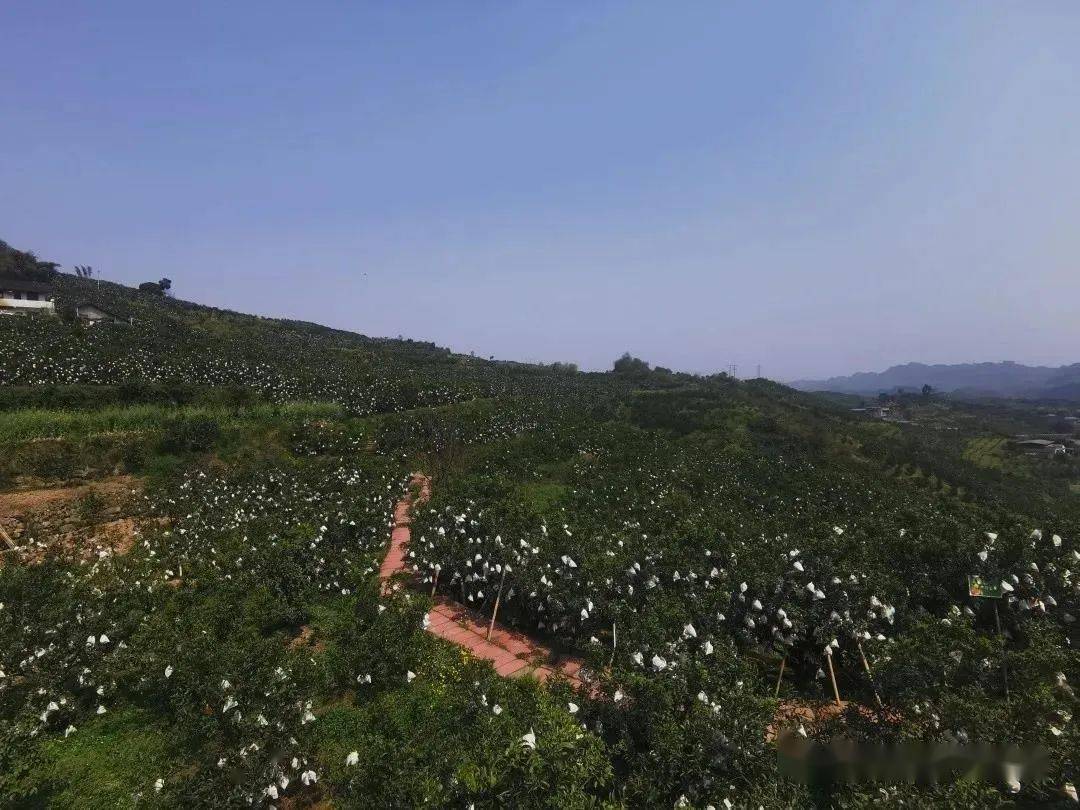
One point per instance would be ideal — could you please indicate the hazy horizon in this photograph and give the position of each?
(820, 190)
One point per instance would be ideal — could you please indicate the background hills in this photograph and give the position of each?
(1004, 379)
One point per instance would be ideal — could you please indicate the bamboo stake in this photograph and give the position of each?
(869, 674)
(780, 677)
(832, 677)
(495, 611)
(614, 643)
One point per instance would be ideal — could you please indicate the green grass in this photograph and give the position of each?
(34, 423)
(106, 763)
(987, 452)
(542, 495)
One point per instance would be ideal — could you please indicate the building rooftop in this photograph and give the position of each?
(83, 303)
(24, 285)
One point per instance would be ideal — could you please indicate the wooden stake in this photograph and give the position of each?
(869, 674)
(832, 677)
(1004, 666)
(495, 612)
(614, 643)
(435, 581)
(780, 677)
(8, 540)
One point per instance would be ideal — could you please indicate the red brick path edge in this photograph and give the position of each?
(512, 654)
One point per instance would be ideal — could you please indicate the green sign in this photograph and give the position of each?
(980, 588)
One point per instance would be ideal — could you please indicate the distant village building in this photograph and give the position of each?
(1047, 447)
(92, 314)
(19, 296)
(877, 411)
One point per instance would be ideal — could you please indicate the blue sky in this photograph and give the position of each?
(816, 188)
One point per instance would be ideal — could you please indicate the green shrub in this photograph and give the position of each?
(190, 434)
(91, 506)
(47, 458)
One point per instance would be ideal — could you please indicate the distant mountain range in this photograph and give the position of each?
(1005, 379)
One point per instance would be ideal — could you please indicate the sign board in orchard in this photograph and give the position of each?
(980, 588)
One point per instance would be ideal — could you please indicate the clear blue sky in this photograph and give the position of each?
(815, 187)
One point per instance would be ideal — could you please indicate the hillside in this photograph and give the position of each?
(1006, 379)
(197, 506)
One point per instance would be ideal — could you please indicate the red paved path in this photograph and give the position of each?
(399, 536)
(512, 654)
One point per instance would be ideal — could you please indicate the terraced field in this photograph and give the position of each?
(195, 587)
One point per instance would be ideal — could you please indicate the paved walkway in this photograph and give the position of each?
(399, 536)
(512, 654)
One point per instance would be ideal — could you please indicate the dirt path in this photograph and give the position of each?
(15, 504)
(512, 654)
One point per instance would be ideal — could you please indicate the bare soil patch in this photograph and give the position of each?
(306, 640)
(82, 520)
(812, 716)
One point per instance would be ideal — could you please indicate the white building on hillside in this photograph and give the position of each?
(91, 313)
(19, 296)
